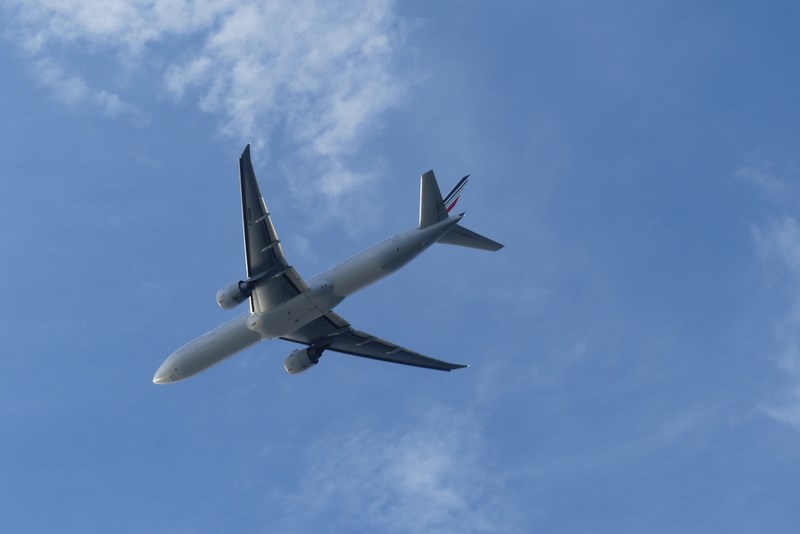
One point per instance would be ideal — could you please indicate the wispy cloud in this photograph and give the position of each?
(778, 245)
(73, 91)
(316, 73)
(433, 474)
(123, 26)
(764, 179)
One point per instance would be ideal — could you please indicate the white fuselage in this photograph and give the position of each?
(326, 290)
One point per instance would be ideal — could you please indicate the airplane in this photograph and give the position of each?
(283, 305)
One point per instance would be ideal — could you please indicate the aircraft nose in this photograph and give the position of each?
(159, 378)
(164, 375)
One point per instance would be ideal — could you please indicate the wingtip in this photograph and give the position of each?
(246, 151)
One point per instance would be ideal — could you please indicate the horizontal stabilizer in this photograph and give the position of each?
(463, 237)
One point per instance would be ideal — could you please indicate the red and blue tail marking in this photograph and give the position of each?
(452, 197)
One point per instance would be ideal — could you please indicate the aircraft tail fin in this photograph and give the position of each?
(463, 237)
(433, 208)
(431, 204)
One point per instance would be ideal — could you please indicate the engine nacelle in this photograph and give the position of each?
(301, 359)
(231, 296)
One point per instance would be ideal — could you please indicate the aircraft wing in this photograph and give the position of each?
(273, 279)
(332, 332)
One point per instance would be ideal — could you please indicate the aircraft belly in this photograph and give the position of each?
(350, 278)
(207, 350)
(295, 313)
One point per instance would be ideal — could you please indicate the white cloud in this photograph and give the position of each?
(779, 247)
(786, 410)
(320, 72)
(767, 181)
(433, 475)
(73, 91)
(125, 26)
(779, 185)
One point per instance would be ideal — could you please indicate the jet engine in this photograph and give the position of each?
(231, 296)
(301, 359)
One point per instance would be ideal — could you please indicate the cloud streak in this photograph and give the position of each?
(123, 26)
(430, 475)
(73, 91)
(318, 74)
(778, 245)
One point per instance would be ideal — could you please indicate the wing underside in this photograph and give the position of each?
(274, 280)
(332, 332)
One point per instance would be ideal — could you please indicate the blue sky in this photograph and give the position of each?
(634, 350)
